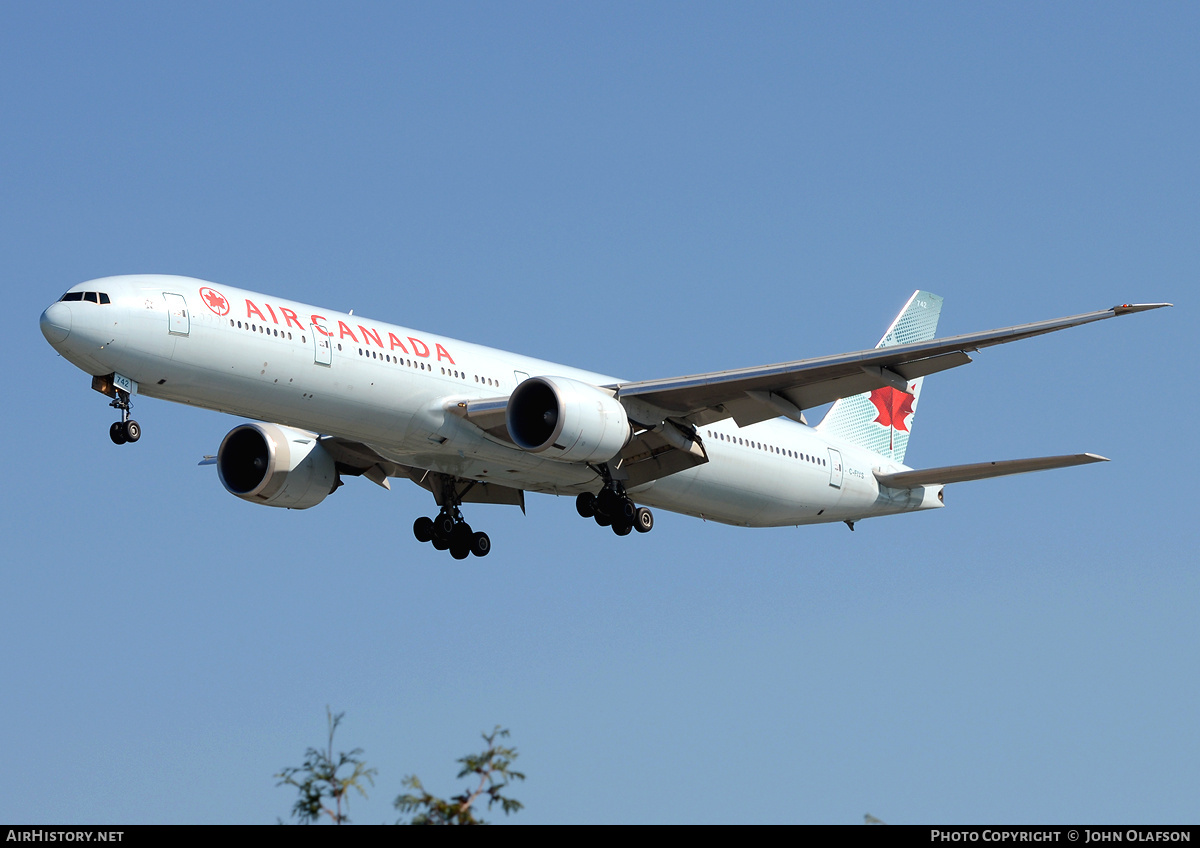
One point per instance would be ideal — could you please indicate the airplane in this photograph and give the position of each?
(334, 395)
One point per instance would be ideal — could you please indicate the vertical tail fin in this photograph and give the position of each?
(881, 421)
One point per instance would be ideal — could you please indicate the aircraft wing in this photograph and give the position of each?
(750, 395)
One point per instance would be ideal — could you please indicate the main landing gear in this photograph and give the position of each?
(613, 508)
(125, 430)
(450, 532)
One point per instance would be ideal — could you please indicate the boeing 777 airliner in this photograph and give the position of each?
(338, 395)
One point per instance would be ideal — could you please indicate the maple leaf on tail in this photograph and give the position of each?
(894, 408)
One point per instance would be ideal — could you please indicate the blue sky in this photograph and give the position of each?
(646, 190)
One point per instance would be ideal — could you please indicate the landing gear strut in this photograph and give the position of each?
(450, 531)
(612, 507)
(125, 430)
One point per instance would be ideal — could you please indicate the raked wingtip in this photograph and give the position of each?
(1128, 308)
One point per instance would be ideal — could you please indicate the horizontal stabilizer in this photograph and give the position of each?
(981, 470)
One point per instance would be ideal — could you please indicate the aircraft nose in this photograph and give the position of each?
(56, 323)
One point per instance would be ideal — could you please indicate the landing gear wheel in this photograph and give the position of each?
(448, 530)
(460, 540)
(125, 430)
(608, 502)
(585, 505)
(611, 507)
(443, 525)
(461, 537)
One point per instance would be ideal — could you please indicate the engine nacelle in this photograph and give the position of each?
(566, 419)
(275, 466)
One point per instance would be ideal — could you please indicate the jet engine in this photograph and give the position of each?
(567, 420)
(276, 466)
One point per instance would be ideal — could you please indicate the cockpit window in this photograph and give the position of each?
(90, 297)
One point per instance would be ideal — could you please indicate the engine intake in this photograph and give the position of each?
(275, 466)
(567, 420)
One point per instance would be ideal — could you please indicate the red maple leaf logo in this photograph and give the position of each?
(214, 300)
(894, 408)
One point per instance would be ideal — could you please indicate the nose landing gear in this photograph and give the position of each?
(125, 430)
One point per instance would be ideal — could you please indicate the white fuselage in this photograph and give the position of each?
(275, 360)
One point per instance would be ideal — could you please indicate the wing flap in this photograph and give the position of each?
(931, 365)
(466, 491)
(981, 470)
(654, 454)
(360, 460)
